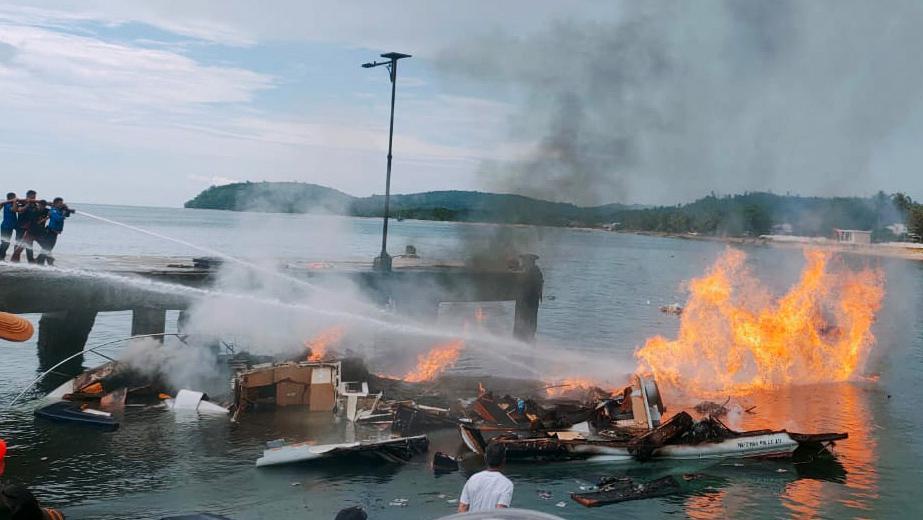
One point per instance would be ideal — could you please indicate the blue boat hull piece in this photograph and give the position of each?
(69, 412)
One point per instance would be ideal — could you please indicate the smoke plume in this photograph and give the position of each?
(676, 99)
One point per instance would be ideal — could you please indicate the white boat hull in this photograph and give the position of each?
(768, 445)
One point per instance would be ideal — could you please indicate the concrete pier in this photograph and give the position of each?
(62, 333)
(70, 295)
(148, 320)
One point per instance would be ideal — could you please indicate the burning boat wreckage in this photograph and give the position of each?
(532, 420)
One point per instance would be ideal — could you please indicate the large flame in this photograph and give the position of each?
(320, 344)
(735, 338)
(435, 362)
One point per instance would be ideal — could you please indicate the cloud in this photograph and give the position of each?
(83, 73)
(65, 15)
(118, 110)
(418, 27)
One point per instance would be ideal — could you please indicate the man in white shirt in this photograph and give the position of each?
(488, 489)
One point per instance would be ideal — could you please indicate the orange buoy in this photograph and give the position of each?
(14, 328)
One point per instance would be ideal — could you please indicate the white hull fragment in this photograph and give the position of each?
(769, 445)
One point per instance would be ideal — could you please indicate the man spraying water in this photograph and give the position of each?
(8, 225)
(55, 226)
(27, 216)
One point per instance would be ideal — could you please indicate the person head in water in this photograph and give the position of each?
(31, 194)
(58, 202)
(11, 196)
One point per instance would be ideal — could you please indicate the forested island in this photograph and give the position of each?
(748, 214)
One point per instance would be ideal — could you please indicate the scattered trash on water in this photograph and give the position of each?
(544, 495)
(561, 504)
(712, 409)
(399, 502)
(622, 489)
(569, 419)
(674, 308)
(443, 463)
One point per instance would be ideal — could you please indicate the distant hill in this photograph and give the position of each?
(748, 214)
(273, 197)
(471, 206)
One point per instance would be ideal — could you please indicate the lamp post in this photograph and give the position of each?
(383, 260)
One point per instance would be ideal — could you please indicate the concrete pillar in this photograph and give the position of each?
(61, 334)
(525, 321)
(148, 320)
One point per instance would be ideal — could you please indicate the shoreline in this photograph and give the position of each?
(901, 250)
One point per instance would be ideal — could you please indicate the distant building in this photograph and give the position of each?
(782, 229)
(852, 236)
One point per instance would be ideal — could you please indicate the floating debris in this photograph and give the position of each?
(712, 409)
(443, 463)
(674, 309)
(73, 413)
(622, 489)
(391, 450)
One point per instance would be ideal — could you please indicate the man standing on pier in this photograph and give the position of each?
(28, 216)
(8, 225)
(56, 215)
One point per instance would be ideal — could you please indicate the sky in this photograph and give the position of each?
(148, 103)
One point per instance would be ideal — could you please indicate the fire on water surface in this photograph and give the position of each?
(735, 338)
(435, 362)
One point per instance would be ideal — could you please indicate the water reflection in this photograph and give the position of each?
(810, 479)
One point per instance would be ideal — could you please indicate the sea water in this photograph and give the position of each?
(602, 293)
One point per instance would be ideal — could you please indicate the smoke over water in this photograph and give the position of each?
(676, 99)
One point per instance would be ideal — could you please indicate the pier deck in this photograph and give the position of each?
(71, 294)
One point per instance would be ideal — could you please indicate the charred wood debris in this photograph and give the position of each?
(581, 423)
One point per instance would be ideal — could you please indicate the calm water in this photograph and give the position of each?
(602, 293)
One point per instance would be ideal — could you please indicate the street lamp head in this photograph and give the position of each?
(368, 65)
(394, 55)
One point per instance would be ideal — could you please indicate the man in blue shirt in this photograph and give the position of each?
(8, 224)
(28, 215)
(56, 215)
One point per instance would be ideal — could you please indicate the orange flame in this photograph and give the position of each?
(734, 338)
(321, 343)
(435, 362)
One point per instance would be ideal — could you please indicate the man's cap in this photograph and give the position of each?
(14, 328)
